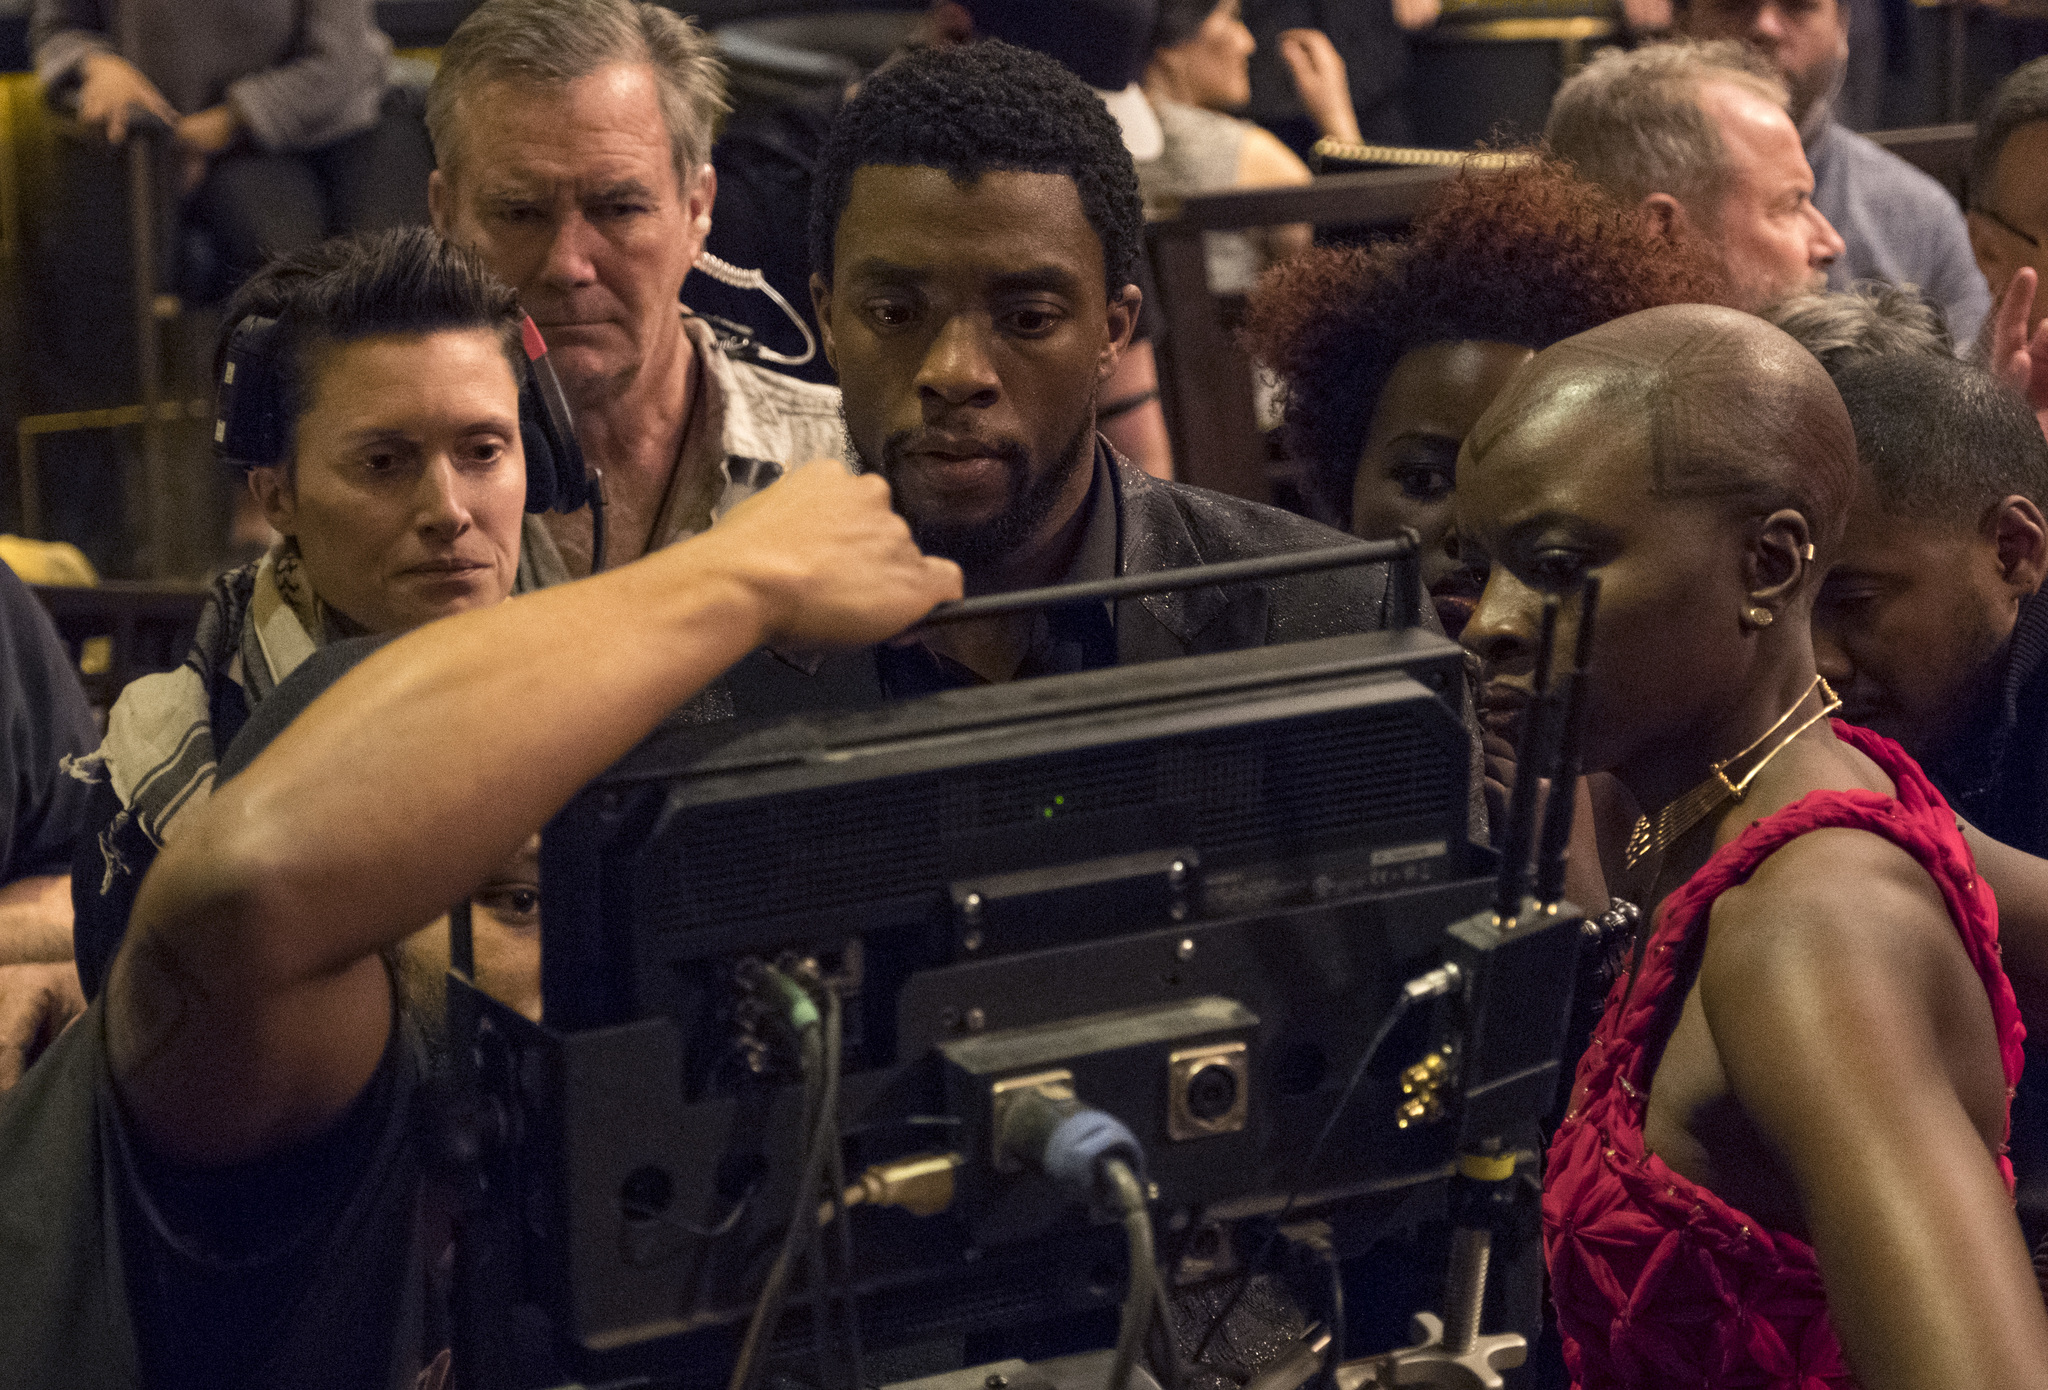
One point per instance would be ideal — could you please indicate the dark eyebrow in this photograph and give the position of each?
(502, 426)
(1050, 278)
(1429, 433)
(876, 268)
(1570, 521)
(627, 188)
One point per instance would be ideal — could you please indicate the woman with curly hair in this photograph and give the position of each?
(1390, 352)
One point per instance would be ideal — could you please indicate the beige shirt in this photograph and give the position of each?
(747, 426)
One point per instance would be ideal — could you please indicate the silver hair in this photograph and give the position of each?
(1870, 319)
(551, 42)
(1631, 122)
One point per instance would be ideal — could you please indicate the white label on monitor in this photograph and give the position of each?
(1408, 854)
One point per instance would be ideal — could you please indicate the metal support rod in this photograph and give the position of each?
(144, 247)
(1401, 551)
(1465, 1288)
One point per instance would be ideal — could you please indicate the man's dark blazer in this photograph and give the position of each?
(1166, 526)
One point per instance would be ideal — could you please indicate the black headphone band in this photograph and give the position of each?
(247, 431)
(250, 431)
(557, 478)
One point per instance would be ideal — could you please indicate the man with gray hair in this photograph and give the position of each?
(1899, 224)
(1697, 135)
(1871, 319)
(573, 139)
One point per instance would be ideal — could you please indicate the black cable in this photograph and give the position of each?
(804, 1208)
(819, 1279)
(1518, 838)
(1553, 849)
(725, 1224)
(1141, 1301)
(849, 1306)
(1402, 1003)
(1336, 1354)
(1166, 1365)
(597, 522)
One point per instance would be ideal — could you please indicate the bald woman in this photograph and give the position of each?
(1782, 1163)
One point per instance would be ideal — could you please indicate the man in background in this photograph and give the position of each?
(1929, 624)
(1699, 137)
(573, 139)
(1898, 224)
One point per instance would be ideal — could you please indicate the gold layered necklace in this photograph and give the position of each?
(1653, 835)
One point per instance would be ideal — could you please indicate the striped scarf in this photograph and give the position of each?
(259, 623)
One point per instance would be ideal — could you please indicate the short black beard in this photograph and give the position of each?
(982, 547)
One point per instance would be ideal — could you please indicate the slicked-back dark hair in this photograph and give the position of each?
(1942, 439)
(407, 280)
(976, 108)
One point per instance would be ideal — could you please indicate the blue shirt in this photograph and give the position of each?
(1900, 225)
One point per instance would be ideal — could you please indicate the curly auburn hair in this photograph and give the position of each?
(1530, 256)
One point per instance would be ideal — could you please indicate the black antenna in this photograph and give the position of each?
(1570, 703)
(1403, 554)
(1529, 769)
(1406, 581)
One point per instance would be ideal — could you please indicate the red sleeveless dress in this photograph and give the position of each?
(1658, 1282)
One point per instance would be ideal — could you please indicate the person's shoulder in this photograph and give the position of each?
(1264, 162)
(1226, 527)
(787, 392)
(1857, 886)
(1176, 525)
(1867, 161)
(1180, 120)
(772, 415)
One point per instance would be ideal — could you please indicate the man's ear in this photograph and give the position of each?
(821, 309)
(440, 202)
(698, 197)
(1777, 560)
(1123, 322)
(274, 493)
(1666, 214)
(948, 22)
(2018, 529)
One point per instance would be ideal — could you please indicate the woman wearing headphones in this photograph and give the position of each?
(378, 424)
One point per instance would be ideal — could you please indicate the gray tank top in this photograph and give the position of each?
(1201, 156)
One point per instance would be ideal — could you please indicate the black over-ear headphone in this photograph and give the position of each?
(250, 431)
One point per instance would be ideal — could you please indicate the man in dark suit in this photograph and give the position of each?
(975, 232)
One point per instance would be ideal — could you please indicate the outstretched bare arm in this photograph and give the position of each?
(247, 1007)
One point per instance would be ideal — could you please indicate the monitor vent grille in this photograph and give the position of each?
(1274, 784)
